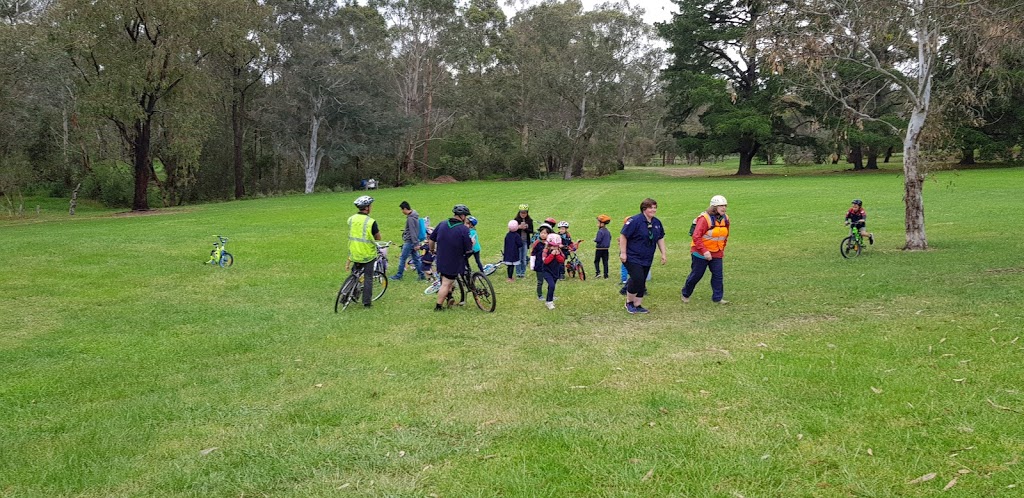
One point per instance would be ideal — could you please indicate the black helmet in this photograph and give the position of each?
(460, 209)
(858, 202)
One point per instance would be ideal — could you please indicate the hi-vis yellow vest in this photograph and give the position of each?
(715, 237)
(361, 247)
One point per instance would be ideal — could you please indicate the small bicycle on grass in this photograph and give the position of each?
(219, 256)
(852, 245)
(573, 265)
(477, 284)
(352, 288)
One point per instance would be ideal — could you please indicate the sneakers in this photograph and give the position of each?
(722, 302)
(622, 291)
(871, 239)
(630, 308)
(685, 299)
(641, 309)
(395, 277)
(550, 305)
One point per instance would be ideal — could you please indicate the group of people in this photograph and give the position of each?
(544, 250)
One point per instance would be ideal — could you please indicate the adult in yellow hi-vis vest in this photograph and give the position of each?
(707, 248)
(362, 250)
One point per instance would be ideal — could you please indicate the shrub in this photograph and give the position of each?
(111, 183)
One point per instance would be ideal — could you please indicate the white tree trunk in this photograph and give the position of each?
(311, 160)
(913, 177)
(913, 184)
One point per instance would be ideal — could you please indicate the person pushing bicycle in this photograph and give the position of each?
(451, 244)
(362, 250)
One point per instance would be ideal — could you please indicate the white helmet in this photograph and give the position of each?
(563, 224)
(363, 201)
(718, 200)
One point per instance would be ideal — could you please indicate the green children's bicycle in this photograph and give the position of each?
(220, 256)
(852, 245)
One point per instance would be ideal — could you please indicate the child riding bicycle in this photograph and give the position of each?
(857, 218)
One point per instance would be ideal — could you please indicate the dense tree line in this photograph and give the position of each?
(142, 103)
(161, 102)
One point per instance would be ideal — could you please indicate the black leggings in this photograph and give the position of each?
(478, 264)
(600, 256)
(637, 283)
(510, 269)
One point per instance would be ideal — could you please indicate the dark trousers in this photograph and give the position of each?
(509, 269)
(478, 264)
(637, 282)
(367, 269)
(551, 279)
(697, 268)
(600, 256)
(540, 283)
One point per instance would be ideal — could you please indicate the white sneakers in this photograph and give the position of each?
(550, 305)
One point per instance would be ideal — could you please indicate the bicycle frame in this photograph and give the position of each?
(219, 255)
(478, 286)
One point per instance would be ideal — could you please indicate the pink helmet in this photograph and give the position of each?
(513, 225)
(554, 240)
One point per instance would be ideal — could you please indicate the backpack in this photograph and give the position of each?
(423, 229)
(693, 226)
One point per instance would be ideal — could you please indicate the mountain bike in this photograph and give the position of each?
(477, 284)
(352, 288)
(852, 245)
(573, 265)
(219, 256)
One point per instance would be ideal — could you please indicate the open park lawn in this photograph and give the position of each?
(130, 368)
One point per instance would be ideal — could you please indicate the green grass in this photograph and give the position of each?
(123, 357)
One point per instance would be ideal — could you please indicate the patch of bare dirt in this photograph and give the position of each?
(686, 172)
(444, 179)
(1005, 270)
(151, 212)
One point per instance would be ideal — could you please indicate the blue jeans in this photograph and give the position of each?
(524, 259)
(409, 250)
(698, 266)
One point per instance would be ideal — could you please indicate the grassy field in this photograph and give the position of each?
(131, 369)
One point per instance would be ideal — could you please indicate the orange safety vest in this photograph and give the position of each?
(717, 234)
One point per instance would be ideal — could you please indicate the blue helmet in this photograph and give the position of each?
(472, 220)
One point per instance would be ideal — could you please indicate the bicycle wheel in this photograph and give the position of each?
(226, 259)
(451, 301)
(483, 292)
(346, 293)
(380, 284)
(570, 270)
(580, 272)
(849, 247)
(433, 288)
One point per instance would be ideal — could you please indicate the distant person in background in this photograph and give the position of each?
(602, 241)
(858, 218)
